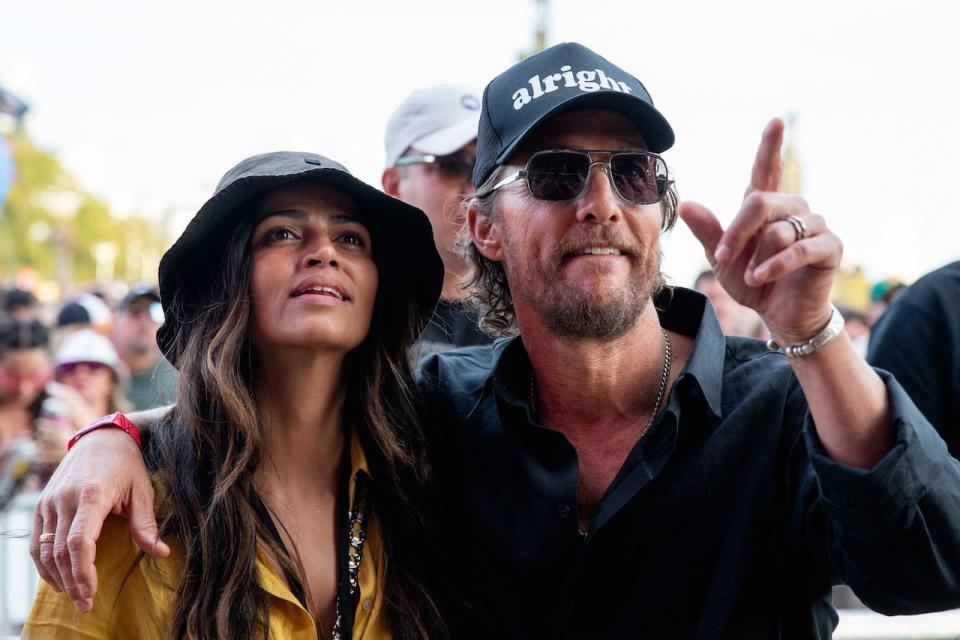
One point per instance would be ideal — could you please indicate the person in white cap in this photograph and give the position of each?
(89, 381)
(88, 363)
(431, 147)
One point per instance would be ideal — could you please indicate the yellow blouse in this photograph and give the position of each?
(141, 609)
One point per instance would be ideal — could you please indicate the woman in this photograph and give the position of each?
(292, 471)
(87, 363)
(89, 381)
(24, 370)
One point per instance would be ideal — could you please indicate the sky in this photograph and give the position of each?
(150, 103)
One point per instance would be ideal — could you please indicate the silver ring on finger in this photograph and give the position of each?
(799, 227)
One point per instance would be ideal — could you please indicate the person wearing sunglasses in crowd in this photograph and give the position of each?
(291, 470)
(431, 149)
(89, 381)
(88, 363)
(620, 468)
(135, 322)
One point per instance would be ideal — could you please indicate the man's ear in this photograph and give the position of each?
(391, 181)
(485, 234)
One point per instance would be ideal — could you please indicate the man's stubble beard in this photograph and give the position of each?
(603, 314)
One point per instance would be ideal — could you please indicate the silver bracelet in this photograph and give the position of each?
(817, 342)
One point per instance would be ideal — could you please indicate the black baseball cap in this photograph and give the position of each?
(19, 298)
(562, 78)
(410, 269)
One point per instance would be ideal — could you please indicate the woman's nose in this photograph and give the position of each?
(321, 251)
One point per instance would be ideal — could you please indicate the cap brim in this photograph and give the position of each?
(403, 247)
(447, 140)
(653, 126)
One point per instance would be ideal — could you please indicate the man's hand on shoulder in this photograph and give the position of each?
(104, 473)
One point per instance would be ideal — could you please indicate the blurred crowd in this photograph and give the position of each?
(64, 366)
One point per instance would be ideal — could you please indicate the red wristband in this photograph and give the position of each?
(116, 420)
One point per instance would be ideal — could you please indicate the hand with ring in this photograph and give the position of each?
(776, 256)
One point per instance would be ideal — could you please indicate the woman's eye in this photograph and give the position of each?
(353, 238)
(281, 233)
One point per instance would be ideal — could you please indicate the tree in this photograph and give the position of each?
(54, 225)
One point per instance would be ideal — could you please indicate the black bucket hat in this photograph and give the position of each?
(410, 269)
(562, 78)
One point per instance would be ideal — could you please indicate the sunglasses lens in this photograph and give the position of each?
(457, 166)
(639, 177)
(69, 367)
(557, 175)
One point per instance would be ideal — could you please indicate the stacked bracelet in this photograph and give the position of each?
(832, 330)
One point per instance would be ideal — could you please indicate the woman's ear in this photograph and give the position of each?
(485, 234)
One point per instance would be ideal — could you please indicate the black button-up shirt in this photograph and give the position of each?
(727, 520)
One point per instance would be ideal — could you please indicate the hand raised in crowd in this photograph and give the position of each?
(776, 257)
(76, 501)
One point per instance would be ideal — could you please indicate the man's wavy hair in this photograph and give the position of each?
(487, 285)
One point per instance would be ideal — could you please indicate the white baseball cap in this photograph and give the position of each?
(436, 120)
(87, 345)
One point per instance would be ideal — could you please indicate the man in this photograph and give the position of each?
(734, 318)
(153, 381)
(19, 304)
(621, 469)
(918, 341)
(431, 149)
(86, 311)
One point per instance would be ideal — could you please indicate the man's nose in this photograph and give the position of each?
(599, 201)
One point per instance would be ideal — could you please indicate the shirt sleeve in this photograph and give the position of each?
(892, 533)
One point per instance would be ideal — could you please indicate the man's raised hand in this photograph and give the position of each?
(784, 270)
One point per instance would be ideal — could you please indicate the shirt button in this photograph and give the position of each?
(563, 510)
(367, 604)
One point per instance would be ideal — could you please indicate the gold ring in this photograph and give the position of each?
(799, 228)
(47, 538)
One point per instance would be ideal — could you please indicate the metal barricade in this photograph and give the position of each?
(18, 576)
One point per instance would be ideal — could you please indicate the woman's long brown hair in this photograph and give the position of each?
(207, 449)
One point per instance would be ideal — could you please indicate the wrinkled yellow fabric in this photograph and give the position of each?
(135, 599)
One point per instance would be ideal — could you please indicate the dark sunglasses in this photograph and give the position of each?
(557, 175)
(457, 165)
(69, 367)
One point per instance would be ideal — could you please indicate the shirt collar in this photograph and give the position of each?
(358, 459)
(689, 313)
(681, 310)
(270, 577)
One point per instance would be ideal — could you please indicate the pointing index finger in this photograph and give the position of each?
(767, 167)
